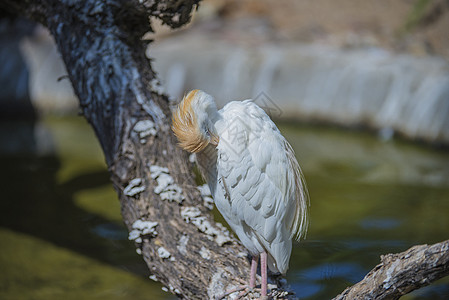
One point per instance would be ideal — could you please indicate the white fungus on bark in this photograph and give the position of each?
(142, 228)
(193, 215)
(145, 128)
(164, 254)
(182, 244)
(153, 277)
(166, 187)
(205, 253)
(207, 196)
(134, 187)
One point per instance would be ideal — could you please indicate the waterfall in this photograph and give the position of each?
(374, 87)
(389, 92)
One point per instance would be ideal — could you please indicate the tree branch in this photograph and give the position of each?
(100, 43)
(399, 274)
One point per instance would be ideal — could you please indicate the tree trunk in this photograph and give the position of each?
(100, 43)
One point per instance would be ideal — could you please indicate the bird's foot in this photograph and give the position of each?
(251, 293)
(240, 289)
(245, 290)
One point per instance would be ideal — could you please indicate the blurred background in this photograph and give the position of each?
(359, 88)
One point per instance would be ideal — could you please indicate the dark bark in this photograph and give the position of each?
(100, 43)
(399, 274)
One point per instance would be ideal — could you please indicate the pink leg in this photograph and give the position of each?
(252, 279)
(263, 273)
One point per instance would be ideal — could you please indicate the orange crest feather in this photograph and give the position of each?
(185, 125)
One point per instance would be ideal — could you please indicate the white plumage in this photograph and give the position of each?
(251, 170)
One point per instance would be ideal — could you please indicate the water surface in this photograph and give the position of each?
(62, 236)
(368, 197)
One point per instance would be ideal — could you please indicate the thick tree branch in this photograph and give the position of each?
(399, 274)
(100, 43)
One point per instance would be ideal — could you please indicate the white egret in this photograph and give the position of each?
(253, 175)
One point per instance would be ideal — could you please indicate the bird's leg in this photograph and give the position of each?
(245, 289)
(263, 273)
(252, 278)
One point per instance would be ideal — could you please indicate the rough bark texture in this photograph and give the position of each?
(399, 274)
(194, 257)
(100, 43)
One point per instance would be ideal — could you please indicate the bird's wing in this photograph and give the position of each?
(256, 175)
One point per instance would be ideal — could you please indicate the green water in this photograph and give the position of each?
(368, 198)
(62, 237)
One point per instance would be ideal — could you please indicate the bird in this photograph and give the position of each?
(252, 173)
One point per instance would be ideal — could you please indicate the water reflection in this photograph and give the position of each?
(379, 223)
(344, 270)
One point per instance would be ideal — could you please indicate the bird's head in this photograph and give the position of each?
(193, 121)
